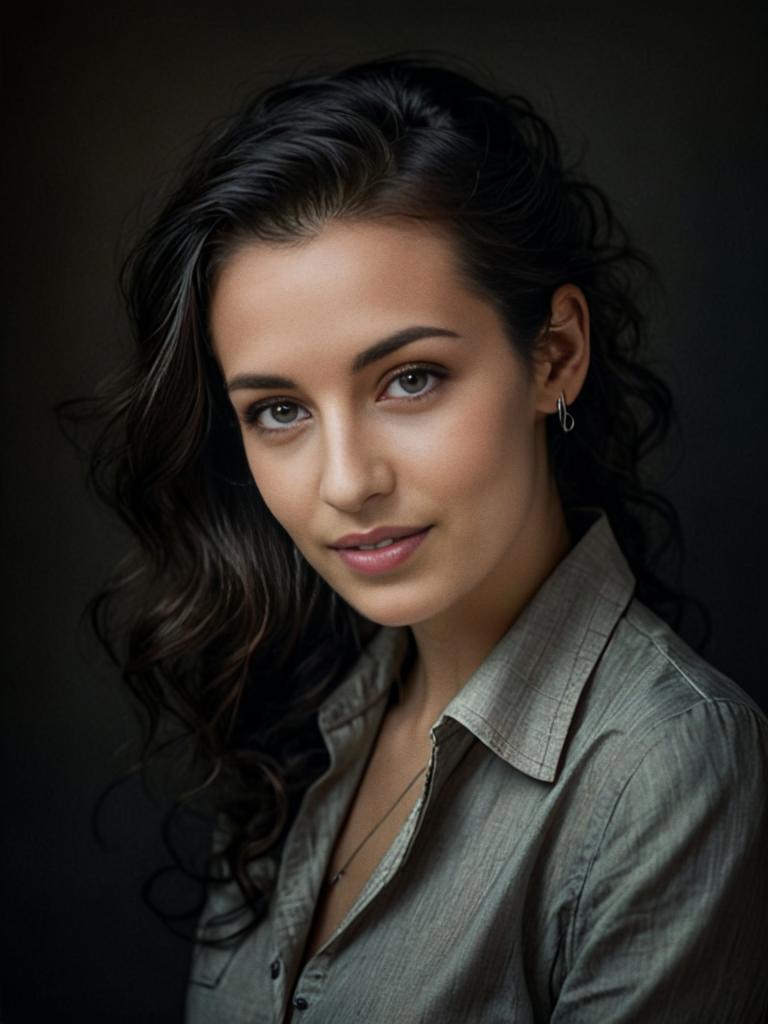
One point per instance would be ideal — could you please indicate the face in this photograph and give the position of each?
(375, 390)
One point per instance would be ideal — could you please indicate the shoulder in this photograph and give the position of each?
(670, 757)
(648, 677)
(661, 731)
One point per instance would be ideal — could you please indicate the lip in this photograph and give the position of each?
(351, 540)
(383, 559)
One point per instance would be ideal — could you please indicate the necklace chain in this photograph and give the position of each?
(340, 873)
(342, 870)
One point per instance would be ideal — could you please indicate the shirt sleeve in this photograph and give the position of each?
(671, 924)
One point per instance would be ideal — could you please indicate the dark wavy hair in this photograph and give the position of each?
(224, 629)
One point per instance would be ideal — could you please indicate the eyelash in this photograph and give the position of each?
(252, 412)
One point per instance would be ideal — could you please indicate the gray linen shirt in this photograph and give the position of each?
(591, 844)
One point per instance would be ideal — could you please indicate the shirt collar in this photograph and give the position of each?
(520, 701)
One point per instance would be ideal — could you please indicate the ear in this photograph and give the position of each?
(561, 356)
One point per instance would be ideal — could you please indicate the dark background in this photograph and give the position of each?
(667, 107)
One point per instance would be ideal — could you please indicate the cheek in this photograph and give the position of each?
(488, 457)
(281, 491)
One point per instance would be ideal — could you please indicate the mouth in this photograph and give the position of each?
(380, 537)
(384, 554)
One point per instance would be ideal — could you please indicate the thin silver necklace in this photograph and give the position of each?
(338, 876)
(342, 870)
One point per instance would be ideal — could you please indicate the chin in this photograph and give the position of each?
(389, 620)
(395, 611)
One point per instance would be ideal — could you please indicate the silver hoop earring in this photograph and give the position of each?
(567, 421)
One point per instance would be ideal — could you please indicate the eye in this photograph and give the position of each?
(273, 417)
(413, 381)
(276, 416)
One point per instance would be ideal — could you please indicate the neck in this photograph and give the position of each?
(452, 645)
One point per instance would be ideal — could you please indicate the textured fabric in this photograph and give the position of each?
(591, 846)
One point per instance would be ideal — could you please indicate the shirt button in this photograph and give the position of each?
(300, 1003)
(274, 969)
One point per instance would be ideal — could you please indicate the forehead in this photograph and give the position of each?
(351, 282)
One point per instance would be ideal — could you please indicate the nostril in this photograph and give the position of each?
(351, 477)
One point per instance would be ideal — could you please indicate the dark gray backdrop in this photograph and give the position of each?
(667, 107)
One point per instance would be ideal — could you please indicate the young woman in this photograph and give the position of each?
(380, 446)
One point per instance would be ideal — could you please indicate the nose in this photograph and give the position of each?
(355, 465)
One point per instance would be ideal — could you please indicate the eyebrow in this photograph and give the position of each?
(370, 355)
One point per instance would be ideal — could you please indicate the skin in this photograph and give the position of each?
(353, 451)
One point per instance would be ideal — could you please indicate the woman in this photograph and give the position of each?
(380, 446)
